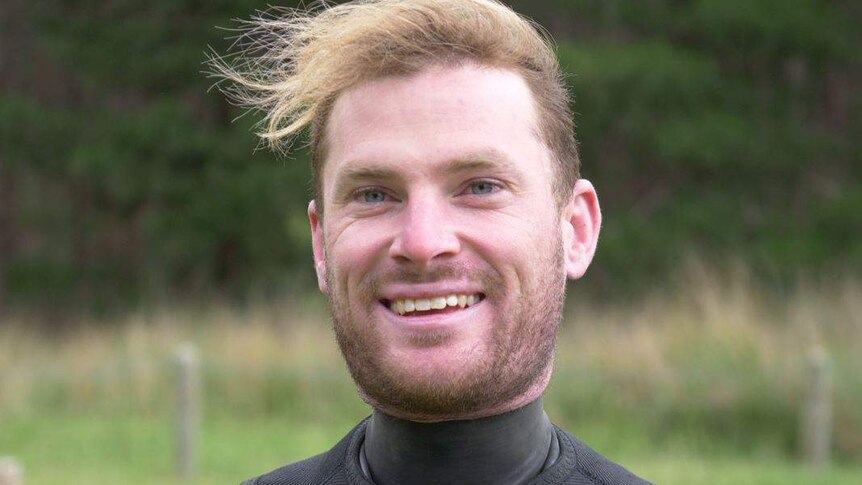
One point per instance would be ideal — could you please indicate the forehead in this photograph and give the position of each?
(437, 115)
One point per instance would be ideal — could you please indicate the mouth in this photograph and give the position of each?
(433, 304)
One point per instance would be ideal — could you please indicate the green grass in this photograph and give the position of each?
(700, 386)
(139, 451)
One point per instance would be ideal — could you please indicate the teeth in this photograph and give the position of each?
(437, 303)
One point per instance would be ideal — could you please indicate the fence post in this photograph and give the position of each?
(10, 471)
(816, 425)
(188, 409)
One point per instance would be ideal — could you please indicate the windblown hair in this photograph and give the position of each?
(293, 64)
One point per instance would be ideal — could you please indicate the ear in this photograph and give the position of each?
(317, 247)
(581, 220)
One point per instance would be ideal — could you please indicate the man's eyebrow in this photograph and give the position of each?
(355, 172)
(480, 160)
(486, 159)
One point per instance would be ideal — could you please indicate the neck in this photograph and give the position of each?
(508, 448)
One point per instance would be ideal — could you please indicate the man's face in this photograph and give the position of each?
(442, 249)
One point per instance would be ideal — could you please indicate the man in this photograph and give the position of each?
(448, 214)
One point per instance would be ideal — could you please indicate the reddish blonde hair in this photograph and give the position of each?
(292, 64)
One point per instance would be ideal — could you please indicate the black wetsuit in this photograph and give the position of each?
(515, 448)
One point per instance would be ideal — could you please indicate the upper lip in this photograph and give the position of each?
(427, 290)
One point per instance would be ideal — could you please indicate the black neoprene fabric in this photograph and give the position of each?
(577, 464)
(511, 448)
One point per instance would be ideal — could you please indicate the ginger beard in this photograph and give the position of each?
(518, 347)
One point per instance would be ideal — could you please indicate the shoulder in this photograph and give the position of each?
(582, 464)
(303, 472)
(320, 469)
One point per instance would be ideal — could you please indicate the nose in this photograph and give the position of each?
(427, 232)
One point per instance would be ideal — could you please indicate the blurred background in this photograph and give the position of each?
(724, 138)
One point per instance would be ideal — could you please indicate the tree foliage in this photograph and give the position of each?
(725, 127)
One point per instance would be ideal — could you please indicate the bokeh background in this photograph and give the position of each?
(136, 212)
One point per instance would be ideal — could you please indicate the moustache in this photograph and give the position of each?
(446, 271)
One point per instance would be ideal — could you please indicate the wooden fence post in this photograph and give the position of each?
(816, 424)
(10, 471)
(188, 409)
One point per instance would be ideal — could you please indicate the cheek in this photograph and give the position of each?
(509, 251)
(518, 248)
(512, 237)
(355, 251)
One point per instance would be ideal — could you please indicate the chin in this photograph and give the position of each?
(447, 392)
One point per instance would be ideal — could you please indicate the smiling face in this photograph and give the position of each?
(442, 249)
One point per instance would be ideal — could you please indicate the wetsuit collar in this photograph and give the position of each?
(509, 448)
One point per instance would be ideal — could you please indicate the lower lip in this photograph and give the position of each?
(432, 321)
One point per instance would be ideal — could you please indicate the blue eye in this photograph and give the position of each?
(374, 196)
(482, 188)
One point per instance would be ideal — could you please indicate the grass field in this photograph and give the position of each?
(92, 449)
(701, 386)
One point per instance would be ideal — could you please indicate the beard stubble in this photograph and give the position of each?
(519, 345)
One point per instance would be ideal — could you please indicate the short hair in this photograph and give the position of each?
(293, 64)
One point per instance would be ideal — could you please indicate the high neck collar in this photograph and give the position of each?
(508, 448)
